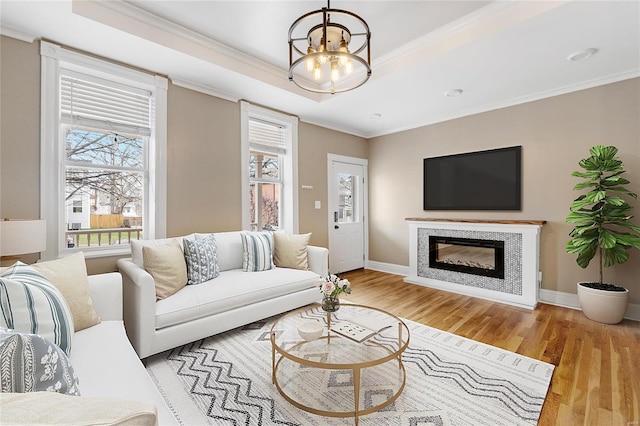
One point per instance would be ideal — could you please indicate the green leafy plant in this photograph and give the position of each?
(601, 216)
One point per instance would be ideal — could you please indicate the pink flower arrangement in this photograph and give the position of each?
(333, 285)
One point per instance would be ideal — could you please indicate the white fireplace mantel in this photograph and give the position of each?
(518, 288)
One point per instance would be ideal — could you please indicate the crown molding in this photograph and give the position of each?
(17, 34)
(202, 88)
(613, 78)
(333, 126)
(129, 18)
(141, 16)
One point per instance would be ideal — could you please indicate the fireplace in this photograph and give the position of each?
(467, 255)
(516, 258)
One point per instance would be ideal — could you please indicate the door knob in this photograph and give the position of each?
(336, 227)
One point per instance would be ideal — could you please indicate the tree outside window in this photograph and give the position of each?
(104, 170)
(264, 190)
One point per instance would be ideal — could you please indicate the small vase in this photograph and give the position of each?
(330, 303)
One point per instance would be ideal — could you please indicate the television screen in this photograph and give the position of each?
(484, 180)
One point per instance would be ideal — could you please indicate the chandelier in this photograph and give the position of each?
(322, 58)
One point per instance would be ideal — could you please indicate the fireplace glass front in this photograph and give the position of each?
(471, 256)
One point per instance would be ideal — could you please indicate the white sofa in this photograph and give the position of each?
(112, 379)
(232, 299)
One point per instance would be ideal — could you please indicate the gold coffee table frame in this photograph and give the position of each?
(332, 338)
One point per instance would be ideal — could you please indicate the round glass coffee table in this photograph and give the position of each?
(335, 375)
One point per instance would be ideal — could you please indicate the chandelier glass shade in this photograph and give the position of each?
(329, 51)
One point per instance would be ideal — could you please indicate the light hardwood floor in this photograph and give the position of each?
(597, 375)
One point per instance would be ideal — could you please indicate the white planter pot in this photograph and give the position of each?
(603, 306)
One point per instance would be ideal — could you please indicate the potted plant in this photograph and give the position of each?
(602, 229)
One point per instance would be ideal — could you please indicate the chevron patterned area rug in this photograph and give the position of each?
(226, 380)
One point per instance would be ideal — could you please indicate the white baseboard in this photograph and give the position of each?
(389, 268)
(558, 298)
(551, 297)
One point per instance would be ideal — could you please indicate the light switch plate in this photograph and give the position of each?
(318, 205)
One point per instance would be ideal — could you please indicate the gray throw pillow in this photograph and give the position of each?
(31, 363)
(202, 259)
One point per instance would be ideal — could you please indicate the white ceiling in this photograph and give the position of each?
(499, 53)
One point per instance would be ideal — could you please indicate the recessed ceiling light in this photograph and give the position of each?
(375, 116)
(582, 54)
(453, 93)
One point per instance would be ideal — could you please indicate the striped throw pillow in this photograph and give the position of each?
(258, 251)
(31, 304)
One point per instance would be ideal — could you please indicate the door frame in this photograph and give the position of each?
(365, 199)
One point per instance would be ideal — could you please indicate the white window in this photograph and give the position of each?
(77, 206)
(103, 154)
(269, 170)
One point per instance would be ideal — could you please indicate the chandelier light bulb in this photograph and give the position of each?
(343, 49)
(323, 58)
(317, 72)
(335, 72)
(348, 67)
(310, 62)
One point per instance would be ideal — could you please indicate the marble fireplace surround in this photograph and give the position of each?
(520, 285)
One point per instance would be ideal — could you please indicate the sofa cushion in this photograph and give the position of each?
(69, 275)
(201, 259)
(290, 250)
(31, 363)
(229, 249)
(137, 245)
(257, 251)
(230, 290)
(165, 263)
(31, 304)
(59, 409)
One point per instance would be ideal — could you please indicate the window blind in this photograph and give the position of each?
(94, 102)
(267, 137)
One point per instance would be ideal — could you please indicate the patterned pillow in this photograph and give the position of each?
(257, 251)
(31, 363)
(31, 304)
(202, 259)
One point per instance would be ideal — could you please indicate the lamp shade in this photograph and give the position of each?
(22, 237)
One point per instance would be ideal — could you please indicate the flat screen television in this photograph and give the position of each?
(483, 180)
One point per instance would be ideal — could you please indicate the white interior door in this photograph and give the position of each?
(347, 193)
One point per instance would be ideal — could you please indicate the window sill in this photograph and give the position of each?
(99, 253)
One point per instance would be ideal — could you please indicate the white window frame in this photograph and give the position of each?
(289, 190)
(52, 150)
(258, 181)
